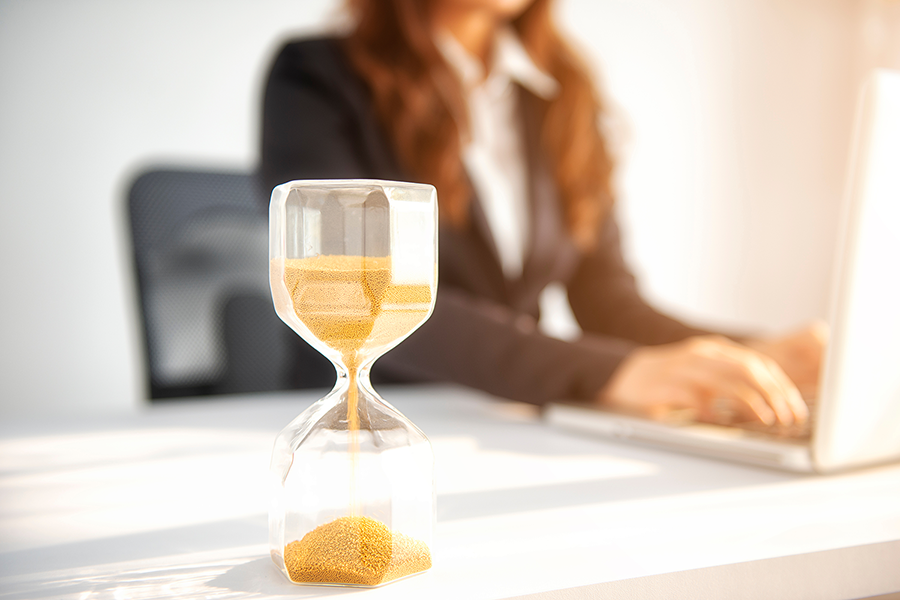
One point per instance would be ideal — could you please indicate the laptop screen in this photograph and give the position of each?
(859, 412)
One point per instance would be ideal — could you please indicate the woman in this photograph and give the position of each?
(482, 99)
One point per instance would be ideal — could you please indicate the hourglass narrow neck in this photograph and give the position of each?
(350, 382)
(359, 368)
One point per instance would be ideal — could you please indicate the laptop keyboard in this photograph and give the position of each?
(800, 432)
(796, 432)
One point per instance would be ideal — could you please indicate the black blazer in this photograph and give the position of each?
(318, 122)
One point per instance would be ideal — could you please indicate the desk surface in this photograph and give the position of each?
(171, 502)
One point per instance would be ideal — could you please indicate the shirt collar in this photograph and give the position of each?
(510, 62)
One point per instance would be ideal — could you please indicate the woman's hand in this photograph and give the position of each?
(712, 377)
(799, 354)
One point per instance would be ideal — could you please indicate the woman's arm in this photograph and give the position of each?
(485, 345)
(605, 299)
(680, 367)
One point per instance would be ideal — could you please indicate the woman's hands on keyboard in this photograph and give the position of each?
(716, 379)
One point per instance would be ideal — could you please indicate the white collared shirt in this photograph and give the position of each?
(494, 154)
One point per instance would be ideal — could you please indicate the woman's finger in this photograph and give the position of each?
(799, 354)
(790, 407)
(751, 405)
(727, 394)
(768, 380)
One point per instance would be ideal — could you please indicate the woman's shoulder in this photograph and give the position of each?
(311, 48)
(318, 65)
(323, 55)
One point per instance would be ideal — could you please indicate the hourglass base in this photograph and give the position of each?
(356, 585)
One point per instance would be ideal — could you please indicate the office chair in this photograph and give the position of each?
(200, 242)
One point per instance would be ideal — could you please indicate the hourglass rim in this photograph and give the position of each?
(326, 183)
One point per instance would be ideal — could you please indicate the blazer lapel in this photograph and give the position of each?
(551, 253)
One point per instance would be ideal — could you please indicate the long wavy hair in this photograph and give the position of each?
(420, 104)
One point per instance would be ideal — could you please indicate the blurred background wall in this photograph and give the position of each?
(732, 120)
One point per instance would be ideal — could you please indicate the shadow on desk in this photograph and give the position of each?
(261, 576)
(223, 556)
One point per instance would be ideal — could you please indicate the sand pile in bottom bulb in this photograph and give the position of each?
(354, 550)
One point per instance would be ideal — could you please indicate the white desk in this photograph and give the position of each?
(171, 503)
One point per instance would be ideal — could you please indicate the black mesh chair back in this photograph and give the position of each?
(200, 241)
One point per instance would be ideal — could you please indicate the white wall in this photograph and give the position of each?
(740, 116)
(737, 118)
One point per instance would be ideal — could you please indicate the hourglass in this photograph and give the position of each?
(353, 270)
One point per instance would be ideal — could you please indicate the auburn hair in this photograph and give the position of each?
(420, 104)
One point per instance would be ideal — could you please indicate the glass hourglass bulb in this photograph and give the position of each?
(353, 271)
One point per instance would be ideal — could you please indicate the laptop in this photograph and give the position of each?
(856, 421)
